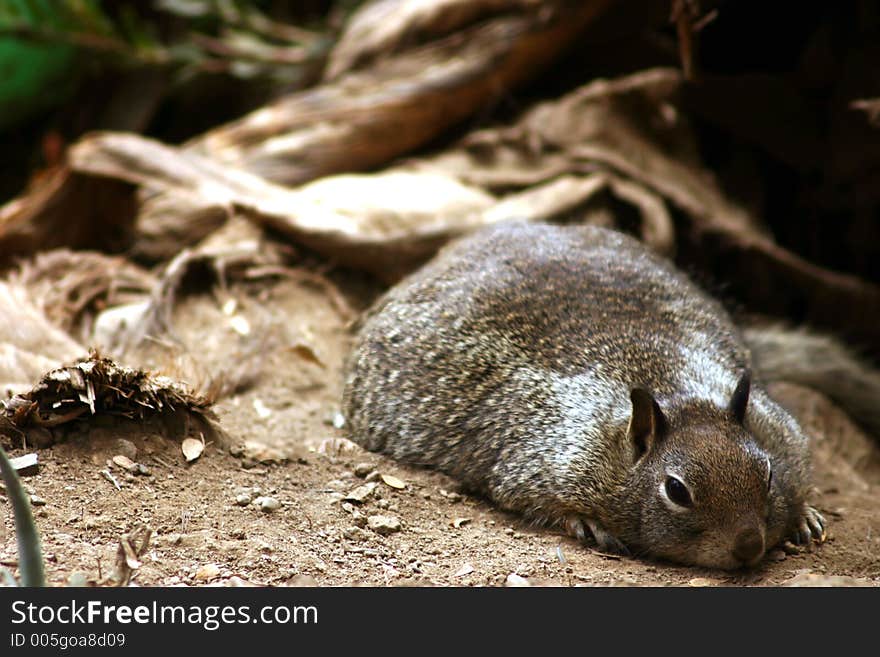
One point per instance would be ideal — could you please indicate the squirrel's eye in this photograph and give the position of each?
(678, 492)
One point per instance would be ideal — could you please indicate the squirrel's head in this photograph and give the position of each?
(704, 483)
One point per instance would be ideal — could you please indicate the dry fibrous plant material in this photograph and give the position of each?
(363, 118)
(98, 386)
(72, 287)
(29, 343)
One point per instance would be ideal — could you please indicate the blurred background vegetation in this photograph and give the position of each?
(166, 68)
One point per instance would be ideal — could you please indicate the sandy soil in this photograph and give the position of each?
(281, 443)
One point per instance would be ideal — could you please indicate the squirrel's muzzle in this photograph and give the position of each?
(748, 545)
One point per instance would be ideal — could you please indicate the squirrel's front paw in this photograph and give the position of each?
(811, 527)
(574, 526)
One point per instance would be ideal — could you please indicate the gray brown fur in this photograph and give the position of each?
(510, 360)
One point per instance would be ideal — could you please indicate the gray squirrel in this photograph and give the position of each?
(574, 376)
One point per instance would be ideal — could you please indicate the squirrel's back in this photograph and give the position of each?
(571, 301)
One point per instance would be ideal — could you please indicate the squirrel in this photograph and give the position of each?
(572, 375)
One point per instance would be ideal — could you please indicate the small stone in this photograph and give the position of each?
(383, 504)
(354, 534)
(207, 572)
(452, 496)
(363, 469)
(458, 522)
(373, 476)
(78, 578)
(125, 448)
(122, 461)
(361, 493)
(384, 525)
(333, 498)
(243, 499)
(514, 580)
(36, 500)
(466, 569)
(267, 504)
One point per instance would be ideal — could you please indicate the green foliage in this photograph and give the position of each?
(30, 557)
(189, 36)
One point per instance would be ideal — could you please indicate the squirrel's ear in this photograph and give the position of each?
(647, 424)
(740, 398)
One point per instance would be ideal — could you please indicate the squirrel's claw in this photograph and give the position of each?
(574, 526)
(816, 524)
(810, 528)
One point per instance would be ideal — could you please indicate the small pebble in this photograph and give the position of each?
(354, 533)
(514, 580)
(777, 555)
(207, 572)
(363, 469)
(243, 499)
(384, 525)
(78, 578)
(267, 504)
(36, 500)
(466, 569)
(360, 494)
(451, 496)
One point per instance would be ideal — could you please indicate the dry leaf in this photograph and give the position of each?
(393, 481)
(192, 448)
(305, 352)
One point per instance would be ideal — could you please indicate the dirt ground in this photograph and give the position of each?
(281, 442)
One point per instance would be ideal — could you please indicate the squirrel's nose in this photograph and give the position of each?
(749, 545)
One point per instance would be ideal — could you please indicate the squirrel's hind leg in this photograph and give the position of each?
(574, 526)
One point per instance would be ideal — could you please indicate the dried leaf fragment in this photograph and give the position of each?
(192, 448)
(394, 482)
